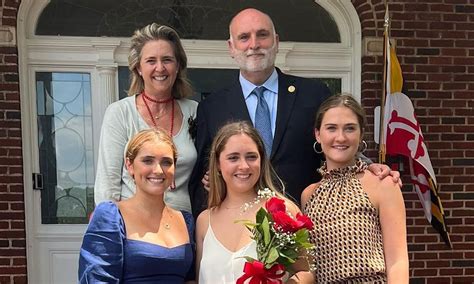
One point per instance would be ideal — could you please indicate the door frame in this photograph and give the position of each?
(101, 57)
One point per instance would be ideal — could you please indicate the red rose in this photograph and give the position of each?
(284, 223)
(275, 204)
(304, 221)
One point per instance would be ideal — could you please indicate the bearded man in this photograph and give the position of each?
(288, 108)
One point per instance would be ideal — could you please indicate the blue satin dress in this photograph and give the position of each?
(107, 256)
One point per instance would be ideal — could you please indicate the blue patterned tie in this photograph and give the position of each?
(262, 120)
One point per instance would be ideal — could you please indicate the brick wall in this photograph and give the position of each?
(12, 215)
(435, 46)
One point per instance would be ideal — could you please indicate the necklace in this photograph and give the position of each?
(243, 206)
(145, 98)
(170, 217)
(233, 207)
(156, 101)
(262, 194)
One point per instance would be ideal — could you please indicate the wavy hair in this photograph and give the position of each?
(268, 177)
(181, 87)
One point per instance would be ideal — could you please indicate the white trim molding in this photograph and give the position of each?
(101, 57)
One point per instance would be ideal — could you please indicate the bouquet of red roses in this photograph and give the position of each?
(280, 241)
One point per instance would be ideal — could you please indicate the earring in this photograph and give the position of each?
(139, 73)
(317, 146)
(364, 146)
(173, 185)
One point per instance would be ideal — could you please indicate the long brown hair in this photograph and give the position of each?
(182, 87)
(267, 179)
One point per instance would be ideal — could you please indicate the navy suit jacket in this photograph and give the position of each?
(292, 152)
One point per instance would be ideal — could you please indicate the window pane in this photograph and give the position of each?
(65, 146)
(206, 81)
(300, 21)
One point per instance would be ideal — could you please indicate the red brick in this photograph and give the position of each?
(11, 22)
(451, 154)
(454, 86)
(11, 197)
(12, 3)
(11, 179)
(440, 77)
(451, 271)
(450, 255)
(11, 252)
(454, 18)
(12, 270)
(18, 225)
(464, 112)
(441, 8)
(11, 216)
(454, 103)
(465, 60)
(4, 262)
(454, 52)
(437, 280)
(19, 261)
(425, 238)
(462, 280)
(18, 244)
(453, 69)
(441, 26)
(437, 263)
(425, 272)
(20, 279)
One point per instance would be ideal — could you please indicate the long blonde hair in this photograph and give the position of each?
(182, 87)
(268, 177)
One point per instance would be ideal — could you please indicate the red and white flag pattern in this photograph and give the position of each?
(402, 136)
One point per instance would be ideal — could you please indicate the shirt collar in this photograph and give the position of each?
(270, 84)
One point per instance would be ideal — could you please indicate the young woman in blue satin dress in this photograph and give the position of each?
(141, 240)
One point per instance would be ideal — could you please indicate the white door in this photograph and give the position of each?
(66, 82)
(63, 177)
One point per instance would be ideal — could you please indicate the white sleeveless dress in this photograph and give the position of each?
(220, 265)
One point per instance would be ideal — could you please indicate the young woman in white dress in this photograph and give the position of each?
(238, 168)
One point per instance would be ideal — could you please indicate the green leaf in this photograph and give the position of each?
(261, 214)
(265, 226)
(302, 236)
(308, 245)
(249, 259)
(290, 254)
(246, 223)
(272, 255)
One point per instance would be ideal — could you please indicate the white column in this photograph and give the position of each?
(104, 81)
(107, 84)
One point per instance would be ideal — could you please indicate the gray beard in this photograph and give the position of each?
(256, 66)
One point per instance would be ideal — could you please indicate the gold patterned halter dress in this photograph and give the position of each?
(347, 231)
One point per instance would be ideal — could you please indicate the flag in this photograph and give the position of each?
(401, 135)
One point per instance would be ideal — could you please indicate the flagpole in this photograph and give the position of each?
(382, 145)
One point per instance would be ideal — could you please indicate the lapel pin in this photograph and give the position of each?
(291, 89)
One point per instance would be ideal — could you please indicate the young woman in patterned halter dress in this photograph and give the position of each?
(360, 228)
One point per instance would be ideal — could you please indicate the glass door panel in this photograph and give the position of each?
(205, 81)
(66, 155)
